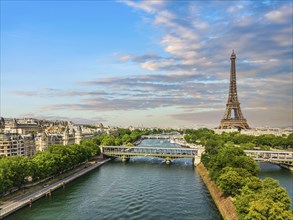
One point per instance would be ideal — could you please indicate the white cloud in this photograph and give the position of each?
(156, 65)
(260, 61)
(281, 15)
(145, 5)
(165, 17)
(124, 58)
(234, 8)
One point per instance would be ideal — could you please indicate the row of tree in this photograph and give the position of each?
(16, 170)
(235, 173)
(125, 136)
(265, 141)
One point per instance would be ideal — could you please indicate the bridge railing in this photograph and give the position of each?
(270, 155)
(160, 136)
(125, 150)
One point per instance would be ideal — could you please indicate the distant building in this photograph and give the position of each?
(2, 124)
(257, 131)
(29, 144)
(41, 141)
(25, 137)
(11, 145)
(112, 131)
(69, 136)
(26, 127)
(220, 131)
(262, 131)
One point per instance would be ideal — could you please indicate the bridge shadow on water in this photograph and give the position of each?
(155, 160)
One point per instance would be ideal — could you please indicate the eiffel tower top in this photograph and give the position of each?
(233, 55)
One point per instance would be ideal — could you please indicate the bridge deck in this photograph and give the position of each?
(125, 151)
(162, 136)
(274, 156)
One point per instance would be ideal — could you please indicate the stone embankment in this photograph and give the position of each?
(224, 204)
(27, 200)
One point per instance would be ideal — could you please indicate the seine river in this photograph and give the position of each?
(143, 188)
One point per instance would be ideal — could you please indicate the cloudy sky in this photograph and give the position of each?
(150, 63)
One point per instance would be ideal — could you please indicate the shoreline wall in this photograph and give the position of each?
(224, 204)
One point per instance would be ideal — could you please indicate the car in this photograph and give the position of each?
(45, 185)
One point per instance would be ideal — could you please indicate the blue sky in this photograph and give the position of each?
(151, 63)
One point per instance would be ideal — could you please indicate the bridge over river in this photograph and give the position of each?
(170, 136)
(284, 158)
(168, 154)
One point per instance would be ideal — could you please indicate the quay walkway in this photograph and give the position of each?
(26, 200)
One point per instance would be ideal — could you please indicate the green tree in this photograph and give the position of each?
(273, 190)
(6, 173)
(263, 199)
(108, 141)
(231, 180)
(123, 131)
(245, 162)
(45, 163)
(267, 209)
(92, 145)
(118, 141)
(247, 146)
(126, 139)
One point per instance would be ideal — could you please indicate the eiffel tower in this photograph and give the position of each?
(233, 105)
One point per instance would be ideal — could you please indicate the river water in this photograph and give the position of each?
(142, 188)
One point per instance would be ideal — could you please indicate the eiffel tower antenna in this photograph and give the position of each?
(233, 105)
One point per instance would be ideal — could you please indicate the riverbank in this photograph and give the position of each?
(224, 204)
(27, 199)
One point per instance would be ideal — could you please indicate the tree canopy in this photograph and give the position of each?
(235, 173)
(15, 170)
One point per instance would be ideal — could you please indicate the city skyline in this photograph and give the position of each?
(151, 63)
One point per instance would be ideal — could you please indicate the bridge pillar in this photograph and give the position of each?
(168, 160)
(196, 161)
(200, 150)
(125, 159)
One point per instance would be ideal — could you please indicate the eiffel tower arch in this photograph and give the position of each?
(233, 117)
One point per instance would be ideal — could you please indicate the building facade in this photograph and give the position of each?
(24, 137)
(11, 145)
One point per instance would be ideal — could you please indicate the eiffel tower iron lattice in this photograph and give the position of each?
(233, 105)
